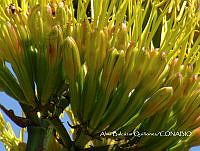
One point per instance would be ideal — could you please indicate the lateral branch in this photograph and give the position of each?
(20, 121)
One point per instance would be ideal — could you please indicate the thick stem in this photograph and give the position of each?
(36, 133)
(36, 137)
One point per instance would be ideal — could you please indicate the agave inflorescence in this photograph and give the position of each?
(118, 66)
(7, 136)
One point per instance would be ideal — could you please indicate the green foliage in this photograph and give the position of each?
(118, 66)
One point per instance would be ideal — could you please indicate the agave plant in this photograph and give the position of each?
(125, 72)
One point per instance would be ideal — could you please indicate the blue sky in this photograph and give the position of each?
(10, 103)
